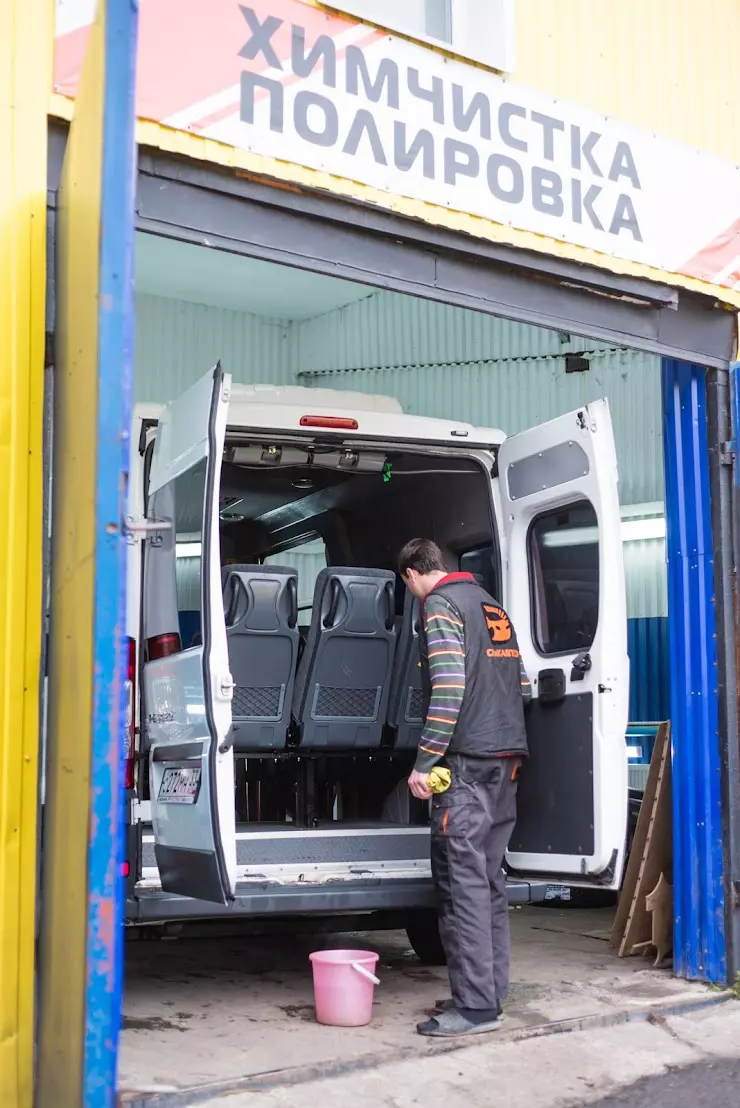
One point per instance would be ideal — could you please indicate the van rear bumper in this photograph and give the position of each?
(152, 905)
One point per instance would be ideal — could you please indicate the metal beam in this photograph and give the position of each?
(359, 244)
(211, 206)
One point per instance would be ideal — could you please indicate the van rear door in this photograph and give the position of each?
(566, 597)
(187, 684)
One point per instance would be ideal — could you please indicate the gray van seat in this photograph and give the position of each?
(261, 606)
(406, 701)
(341, 691)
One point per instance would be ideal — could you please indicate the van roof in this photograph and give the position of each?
(281, 408)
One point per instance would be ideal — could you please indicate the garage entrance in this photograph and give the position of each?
(293, 289)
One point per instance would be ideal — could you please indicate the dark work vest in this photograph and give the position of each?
(491, 719)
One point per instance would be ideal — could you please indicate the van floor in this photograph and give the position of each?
(260, 845)
(218, 1010)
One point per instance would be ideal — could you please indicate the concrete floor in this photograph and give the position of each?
(683, 1059)
(210, 1011)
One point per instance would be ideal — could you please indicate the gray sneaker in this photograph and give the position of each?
(453, 1025)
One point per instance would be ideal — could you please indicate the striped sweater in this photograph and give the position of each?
(445, 634)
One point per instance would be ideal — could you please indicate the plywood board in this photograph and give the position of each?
(651, 852)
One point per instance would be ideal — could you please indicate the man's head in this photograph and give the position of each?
(421, 566)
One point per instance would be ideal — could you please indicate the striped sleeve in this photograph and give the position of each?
(445, 635)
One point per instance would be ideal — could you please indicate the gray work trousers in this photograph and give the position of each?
(471, 827)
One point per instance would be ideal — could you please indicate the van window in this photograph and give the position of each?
(564, 578)
(308, 559)
(172, 568)
(483, 564)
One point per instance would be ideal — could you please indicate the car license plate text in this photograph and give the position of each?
(179, 785)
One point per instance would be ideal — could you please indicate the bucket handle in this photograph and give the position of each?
(365, 973)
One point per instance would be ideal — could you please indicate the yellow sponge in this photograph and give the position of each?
(440, 779)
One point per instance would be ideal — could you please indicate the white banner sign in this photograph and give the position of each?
(285, 79)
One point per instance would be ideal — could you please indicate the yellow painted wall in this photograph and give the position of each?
(26, 28)
(668, 65)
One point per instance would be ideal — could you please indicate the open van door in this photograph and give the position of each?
(187, 685)
(566, 597)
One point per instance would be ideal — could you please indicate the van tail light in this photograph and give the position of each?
(129, 742)
(161, 646)
(333, 423)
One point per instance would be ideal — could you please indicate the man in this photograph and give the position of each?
(475, 727)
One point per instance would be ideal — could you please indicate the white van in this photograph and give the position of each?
(276, 703)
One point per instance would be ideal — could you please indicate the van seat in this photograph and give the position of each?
(261, 607)
(341, 691)
(406, 712)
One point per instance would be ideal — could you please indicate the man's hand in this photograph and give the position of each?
(419, 785)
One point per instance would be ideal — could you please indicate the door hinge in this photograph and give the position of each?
(141, 811)
(727, 452)
(135, 528)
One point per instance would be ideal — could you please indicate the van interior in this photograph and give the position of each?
(327, 706)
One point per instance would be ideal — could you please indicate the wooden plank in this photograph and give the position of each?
(656, 859)
(629, 884)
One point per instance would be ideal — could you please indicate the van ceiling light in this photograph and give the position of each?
(353, 461)
(334, 423)
(259, 454)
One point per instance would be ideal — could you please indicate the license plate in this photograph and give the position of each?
(180, 785)
(557, 892)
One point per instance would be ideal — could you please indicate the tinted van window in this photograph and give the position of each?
(564, 578)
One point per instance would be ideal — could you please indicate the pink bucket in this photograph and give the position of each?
(344, 986)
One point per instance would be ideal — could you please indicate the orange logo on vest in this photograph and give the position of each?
(497, 623)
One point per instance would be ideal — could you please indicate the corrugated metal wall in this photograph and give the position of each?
(698, 877)
(437, 361)
(177, 342)
(458, 364)
(645, 573)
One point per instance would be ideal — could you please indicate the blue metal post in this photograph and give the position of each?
(104, 970)
(699, 931)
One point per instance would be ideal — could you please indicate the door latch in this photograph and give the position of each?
(227, 686)
(581, 664)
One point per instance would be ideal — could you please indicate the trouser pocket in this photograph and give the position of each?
(452, 811)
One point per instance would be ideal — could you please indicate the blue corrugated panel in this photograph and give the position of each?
(650, 673)
(699, 932)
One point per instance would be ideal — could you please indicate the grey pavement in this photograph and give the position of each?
(708, 1085)
(689, 1062)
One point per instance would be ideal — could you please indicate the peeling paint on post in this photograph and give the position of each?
(82, 924)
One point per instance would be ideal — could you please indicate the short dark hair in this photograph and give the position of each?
(423, 555)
